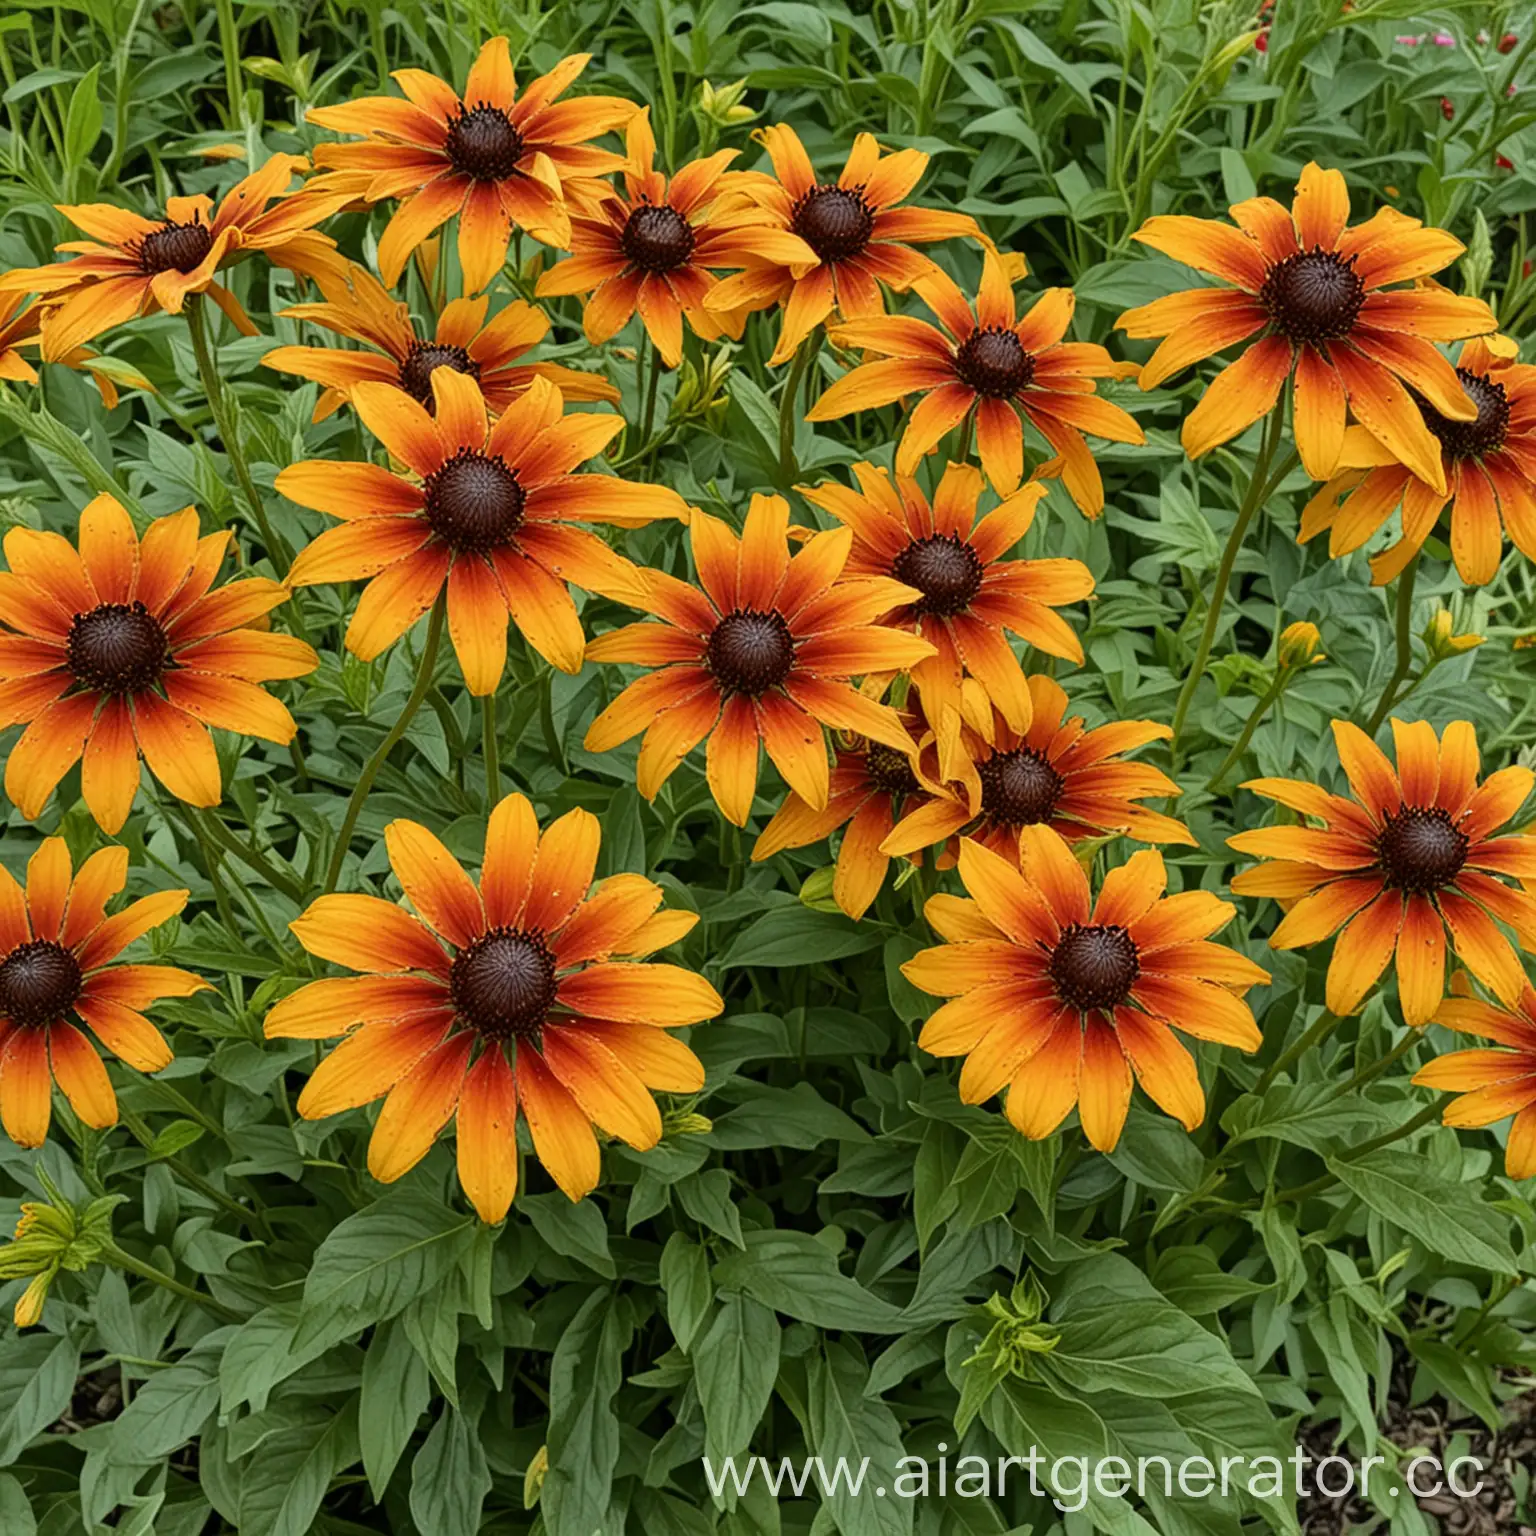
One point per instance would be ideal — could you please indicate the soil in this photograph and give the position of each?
(1430, 1430)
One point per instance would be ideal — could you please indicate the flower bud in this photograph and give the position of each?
(1300, 646)
(1441, 641)
(723, 104)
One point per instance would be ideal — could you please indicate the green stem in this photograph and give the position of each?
(1404, 629)
(184, 1106)
(491, 750)
(252, 858)
(1322, 1026)
(1368, 1075)
(254, 1219)
(789, 467)
(1258, 488)
(397, 730)
(1324, 1181)
(219, 404)
(1496, 1298)
(1260, 709)
(652, 384)
(211, 862)
(112, 1254)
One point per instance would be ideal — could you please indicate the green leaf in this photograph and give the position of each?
(1144, 1348)
(16, 1517)
(584, 1376)
(395, 1394)
(37, 1376)
(82, 123)
(449, 1478)
(861, 1430)
(575, 1229)
(797, 935)
(1449, 1219)
(374, 1264)
(734, 1367)
(167, 1411)
(283, 1482)
(798, 1276)
(689, 1290)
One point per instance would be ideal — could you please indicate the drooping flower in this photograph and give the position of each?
(988, 362)
(132, 265)
(21, 325)
(969, 595)
(870, 787)
(1056, 773)
(858, 237)
(1064, 1000)
(56, 950)
(497, 158)
(1491, 1084)
(524, 994)
(657, 248)
(125, 649)
(1404, 867)
(363, 309)
(757, 655)
(485, 507)
(1487, 465)
(1321, 291)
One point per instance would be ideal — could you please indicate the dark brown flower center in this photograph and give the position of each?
(39, 982)
(504, 984)
(1313, 296)
(994, 363)
(117, 648)
(835, 222)
(944, 568)
(889, 770)
(424, 356)
(483, 143)
(1472, 439)
(1094, 965)
(1019, 788)
(750, 652)
(474, 503)
(1420, 850)
(175, 248)
(657, 238)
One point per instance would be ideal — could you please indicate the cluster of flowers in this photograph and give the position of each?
(533, 992)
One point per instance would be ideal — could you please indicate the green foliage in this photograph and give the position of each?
(828, 1254)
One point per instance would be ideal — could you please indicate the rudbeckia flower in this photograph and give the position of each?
(858, 237)
(1063, 1000)
(484, 507)
(1488, 465)
(496, 158)
(21, 323)
(759, 657)
(1321, 292)
(870, 787)
(363, 309)
(56, 950)
(1491, 1084)
(526, 993)
(126, 650)
(995, 365)
(656, 249)
(969, 596)
(132, 265)
(1055, 774)
(1404, 865)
